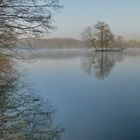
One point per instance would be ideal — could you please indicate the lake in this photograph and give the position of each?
(96, 94)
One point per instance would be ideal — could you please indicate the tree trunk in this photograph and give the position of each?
(102, 43)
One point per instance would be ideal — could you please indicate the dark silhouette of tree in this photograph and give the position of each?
(24, 115)
(25, 18)
(99, 36)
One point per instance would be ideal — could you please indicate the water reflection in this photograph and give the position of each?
(107, 109)
(23, 114)
(101, 63)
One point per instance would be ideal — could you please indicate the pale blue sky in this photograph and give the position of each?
(123, 16)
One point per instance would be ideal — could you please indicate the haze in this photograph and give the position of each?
(122, 16)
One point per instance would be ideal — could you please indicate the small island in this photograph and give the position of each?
(101, 38)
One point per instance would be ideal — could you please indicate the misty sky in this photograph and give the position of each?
(123, 16)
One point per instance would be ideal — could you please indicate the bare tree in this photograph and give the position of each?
(88, 37)
(99, 36)
(24, 115)
(120, 42)
(25, 18)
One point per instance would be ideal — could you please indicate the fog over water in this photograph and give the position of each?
(96, 93)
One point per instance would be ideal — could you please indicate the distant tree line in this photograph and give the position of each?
(133, 43)
(57, 43)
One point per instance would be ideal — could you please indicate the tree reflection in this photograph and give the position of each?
(23, 114)
(101, 63)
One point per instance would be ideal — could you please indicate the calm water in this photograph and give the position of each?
(97, 95)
